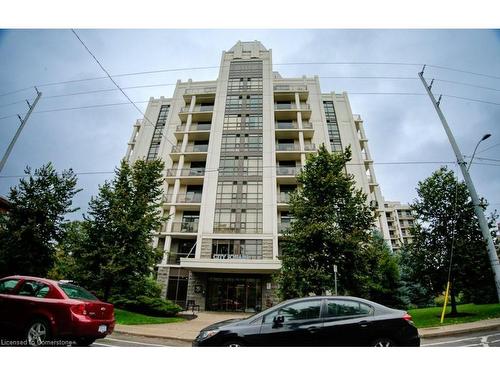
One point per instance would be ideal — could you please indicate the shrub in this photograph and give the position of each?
(153, 306)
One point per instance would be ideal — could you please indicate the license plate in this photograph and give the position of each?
(103, 328)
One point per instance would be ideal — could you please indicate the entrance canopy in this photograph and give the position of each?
(261, 266)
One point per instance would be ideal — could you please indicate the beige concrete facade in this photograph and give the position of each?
(399, 218)
(232, 148)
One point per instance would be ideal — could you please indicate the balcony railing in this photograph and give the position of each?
(175, 258)
(204, 108)
(287, 147)
(201, 90)
(194, 127)
(309, 147)
(283, 226)
(186, 172)
(237, 227)
(240, 171)
(287, 171)
(290, 88)
(185, 227)
(283, 197)
(190, 148)
(183, 198)
(293, 106)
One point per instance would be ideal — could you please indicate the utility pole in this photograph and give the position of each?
(23, 122)
(495, 265)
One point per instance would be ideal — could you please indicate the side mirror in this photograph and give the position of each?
(279, 319)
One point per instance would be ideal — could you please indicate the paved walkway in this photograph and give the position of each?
(189, 329)
(186, 330)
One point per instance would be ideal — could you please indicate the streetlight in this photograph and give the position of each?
(486, 136)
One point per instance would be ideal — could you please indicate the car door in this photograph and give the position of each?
(346, 322)
(299, 326)
(7, 286)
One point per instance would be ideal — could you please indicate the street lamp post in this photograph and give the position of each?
(486, 136)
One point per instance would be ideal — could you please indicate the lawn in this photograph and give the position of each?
(127, 317)
(430, 317)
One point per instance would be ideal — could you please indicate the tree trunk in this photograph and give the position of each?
(454, 311)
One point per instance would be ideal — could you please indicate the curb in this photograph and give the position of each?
(425, 334)
(152, 336)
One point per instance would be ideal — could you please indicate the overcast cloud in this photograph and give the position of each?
(399, 128)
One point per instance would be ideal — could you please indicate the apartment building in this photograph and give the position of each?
(232, 148)
(399, 220)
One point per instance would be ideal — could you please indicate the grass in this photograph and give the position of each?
(430, 316)
(130, 318)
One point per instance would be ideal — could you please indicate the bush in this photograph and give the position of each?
(153, 306)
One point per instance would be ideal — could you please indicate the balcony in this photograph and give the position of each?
(283, 198)
(189, 199)
(175, 258)
(237, 227)
(200, 92)
(199, 113)
(187, 175)
(240, 171)
(196, 132)
(287, 147)
(191, 153)
(287, 91)
(287, 175)
(184, 227)
(283, 226)
(309, 147)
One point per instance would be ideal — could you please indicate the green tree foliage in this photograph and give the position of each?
(116, 254)
(331, 223)
(444, 218)
(28, 234)
(64, 264)
(380, 279)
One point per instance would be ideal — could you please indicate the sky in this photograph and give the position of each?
(398, 127)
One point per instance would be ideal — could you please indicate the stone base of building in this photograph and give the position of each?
(218, 291)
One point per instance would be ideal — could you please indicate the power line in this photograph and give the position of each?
(116, 84)
(277, 64)
(277, 166)
(488, 148)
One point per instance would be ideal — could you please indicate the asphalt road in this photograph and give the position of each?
(120, 339)
(484, 338)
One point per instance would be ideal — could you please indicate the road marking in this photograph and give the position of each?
(494, 341)
(99, 344)
(484, 340)
(133, 342)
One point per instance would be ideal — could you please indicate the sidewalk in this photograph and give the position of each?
(185, 331)
(189, 329)
(456, 329)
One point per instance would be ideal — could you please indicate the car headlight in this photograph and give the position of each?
(206, 334)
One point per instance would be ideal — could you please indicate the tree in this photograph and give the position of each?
(445, 220)
(65, 267)
(331, 222)
(29, 232)
(116, 255)
(380, 276)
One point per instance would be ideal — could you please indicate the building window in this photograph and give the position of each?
(237, 249)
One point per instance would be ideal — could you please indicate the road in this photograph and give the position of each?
(483, 338)
(120, 339)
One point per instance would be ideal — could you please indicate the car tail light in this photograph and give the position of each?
(408, 317)
(79, 309)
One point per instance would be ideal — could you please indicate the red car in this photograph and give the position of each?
(43, 311)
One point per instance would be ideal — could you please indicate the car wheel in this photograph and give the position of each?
(38, 333)
(85, 341)
(234, 343)
(382, 342)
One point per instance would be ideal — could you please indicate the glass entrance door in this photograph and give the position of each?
(234, 294)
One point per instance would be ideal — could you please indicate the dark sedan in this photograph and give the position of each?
(47, 312)
(316, 321)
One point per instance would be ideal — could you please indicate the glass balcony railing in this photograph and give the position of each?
(287, 171)
(175, 258)
(292, 88)
(186, 172)
(198, 108)
(291, 106)
(183, 198)
(189, 148)
(185, 227)
(194, 127)
(283, 197)
(243, 227)
(309, 147)
(283, 226)
(201, 90)
(287, 147)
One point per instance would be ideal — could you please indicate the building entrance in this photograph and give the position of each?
(234, 294)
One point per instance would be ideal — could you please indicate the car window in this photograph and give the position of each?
(76, 292)
(301, 310)
(6, 286)
(268, 318)
(339, 308)
(34, 289)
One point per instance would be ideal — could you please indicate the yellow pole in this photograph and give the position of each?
(445, 301)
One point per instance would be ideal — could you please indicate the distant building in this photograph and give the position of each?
(399, 220)
(232, 148)
(4, 205)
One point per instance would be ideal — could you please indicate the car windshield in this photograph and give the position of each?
(76, 292)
